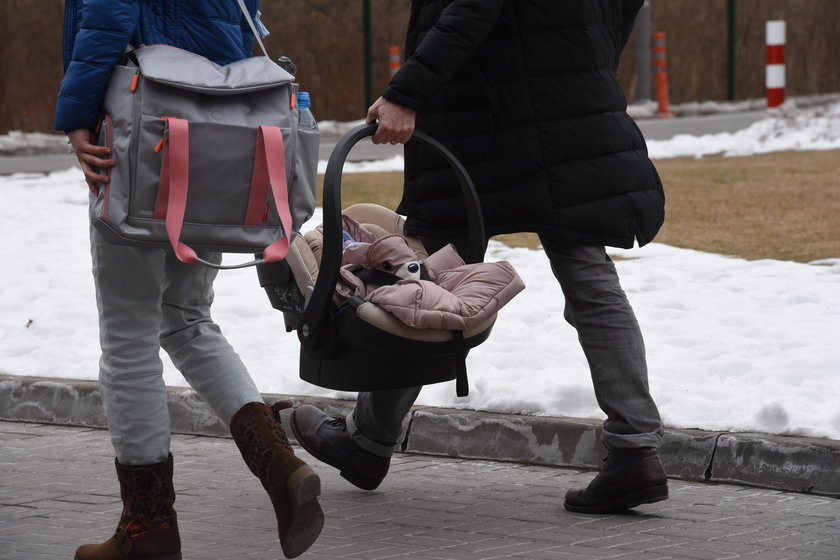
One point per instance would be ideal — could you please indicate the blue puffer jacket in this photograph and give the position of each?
(96, 33)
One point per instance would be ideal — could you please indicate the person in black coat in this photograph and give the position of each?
(525, 94)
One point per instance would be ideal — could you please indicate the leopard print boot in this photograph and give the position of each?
(291, 484)
(148, 527)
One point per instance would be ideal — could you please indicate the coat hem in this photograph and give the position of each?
(556, 233)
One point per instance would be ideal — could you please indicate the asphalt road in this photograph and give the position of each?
(653, 129)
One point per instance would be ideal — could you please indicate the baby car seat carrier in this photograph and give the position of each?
(350, 344)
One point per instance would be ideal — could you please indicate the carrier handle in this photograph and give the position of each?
(269, 176)
(317, 310)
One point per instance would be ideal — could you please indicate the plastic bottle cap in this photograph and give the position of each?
(303, 100)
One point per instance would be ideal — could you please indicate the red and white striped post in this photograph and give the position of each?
(660, 59)
(775, 63)
(393, 60)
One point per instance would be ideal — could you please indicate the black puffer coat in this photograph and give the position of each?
(524, 93)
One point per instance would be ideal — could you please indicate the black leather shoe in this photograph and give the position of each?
(328, 440)
(629, 477)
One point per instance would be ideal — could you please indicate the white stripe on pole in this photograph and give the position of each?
(776, 32)
(775, 75)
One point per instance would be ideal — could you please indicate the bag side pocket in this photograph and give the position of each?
(303, 183)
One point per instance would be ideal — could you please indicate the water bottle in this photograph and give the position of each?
(307, 119)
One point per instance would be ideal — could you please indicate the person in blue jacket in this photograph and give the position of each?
(148, 300)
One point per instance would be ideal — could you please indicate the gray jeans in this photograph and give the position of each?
(610, 337)
(149, 300)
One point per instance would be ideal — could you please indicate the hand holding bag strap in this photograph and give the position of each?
(269, 176)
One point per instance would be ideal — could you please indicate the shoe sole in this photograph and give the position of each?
(349, 476)
(307, 517)
(644, 496)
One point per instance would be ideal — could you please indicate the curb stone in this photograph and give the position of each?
(787, 463)
(799, 464)
(540, 440)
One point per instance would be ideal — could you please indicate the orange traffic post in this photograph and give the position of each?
(393, 60)
(661, 61)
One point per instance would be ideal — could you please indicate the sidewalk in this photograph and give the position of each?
(797, 464)
(58, 489)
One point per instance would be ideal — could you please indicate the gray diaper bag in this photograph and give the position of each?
(208, 157)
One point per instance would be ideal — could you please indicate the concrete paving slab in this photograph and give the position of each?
(64, 490)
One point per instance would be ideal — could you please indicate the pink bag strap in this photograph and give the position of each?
(269, 176)
(174, 184)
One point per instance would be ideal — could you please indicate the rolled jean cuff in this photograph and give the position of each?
(631, 441)
(378, 449)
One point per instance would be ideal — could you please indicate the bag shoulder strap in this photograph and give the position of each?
(250, 21)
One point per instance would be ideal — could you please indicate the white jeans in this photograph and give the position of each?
(149, 300)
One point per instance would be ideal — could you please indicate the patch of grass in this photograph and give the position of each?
(783, 206)
(384, 189)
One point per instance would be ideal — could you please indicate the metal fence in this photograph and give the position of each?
(326, 38)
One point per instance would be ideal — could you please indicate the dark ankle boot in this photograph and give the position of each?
(291, 484)
(629, 477)
(328, 440)
(148, 528)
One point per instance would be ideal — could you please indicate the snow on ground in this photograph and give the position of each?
(732, 344)
(786, 129)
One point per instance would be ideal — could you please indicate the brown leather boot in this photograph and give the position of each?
(629, 477)
(291, 484)
(148, 528)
